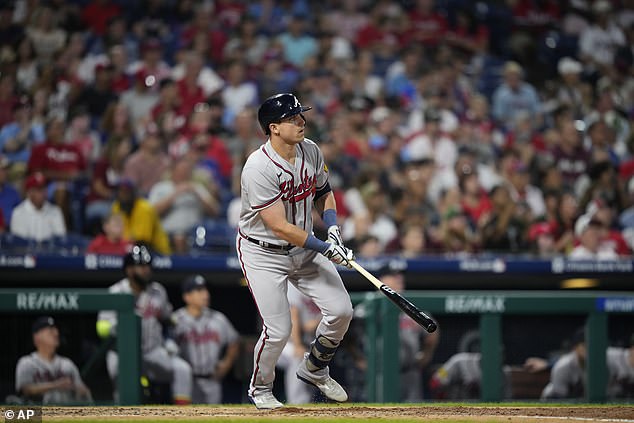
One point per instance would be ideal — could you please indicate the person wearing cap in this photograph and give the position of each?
(513, 96)
(155, 309)
(35, 218)
(590, 231)
(206, 339)
(417, 347)
(141, 222)
(571, 90)
(149, 164)
(46, 377)
(141, 98)
(541, 235)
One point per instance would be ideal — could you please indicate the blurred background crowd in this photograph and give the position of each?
(448, 126)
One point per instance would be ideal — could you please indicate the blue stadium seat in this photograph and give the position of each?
(213, 236)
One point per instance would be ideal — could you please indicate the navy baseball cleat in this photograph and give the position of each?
(321, 380)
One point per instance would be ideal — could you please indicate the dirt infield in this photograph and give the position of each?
(351, 411)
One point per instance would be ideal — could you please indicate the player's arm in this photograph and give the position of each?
(226, 363)
(274, 217)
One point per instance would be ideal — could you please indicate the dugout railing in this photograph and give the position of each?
(381, 329)
(42, 301)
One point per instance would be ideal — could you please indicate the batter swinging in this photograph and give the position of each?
(280, 183)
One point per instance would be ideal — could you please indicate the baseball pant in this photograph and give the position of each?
(268, 274)
(206, 391)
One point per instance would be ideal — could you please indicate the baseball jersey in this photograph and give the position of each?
(621, 371)
(33, 369)
(267, 177)
(567, 378)
(202, 339)
(410, 339)
(152, 305)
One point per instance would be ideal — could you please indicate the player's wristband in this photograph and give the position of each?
(315, 244)
(329, 217)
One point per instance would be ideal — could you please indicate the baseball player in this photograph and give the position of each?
(43, 376)
(620, 363)
(281, 182)
(159, 361)
(417, 347)
(202, 334)
(568, 377)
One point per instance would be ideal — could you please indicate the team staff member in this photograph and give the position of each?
(280, 182)
(44, 376)
(202, 334)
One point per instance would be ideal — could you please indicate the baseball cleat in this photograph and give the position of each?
(322, 381)
(265, 400)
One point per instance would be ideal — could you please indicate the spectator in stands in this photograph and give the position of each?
(160, 360)
(80, 134)
(141, 222)
(18, 137)
(542, 240)
(504, 230)
(111, 241)
(148, 165)
(116, 124)
(412, 243)
(612, 237)
(298, 45)
(570, 156)
(62, 164)
(46, 37)
(9, 196)
(626, 218)
(417, 347)
(523, 192)
(35, 218)
(182, 203)
(426, 25)
(8, 97)
(140, 99)
(590, 231)
(248, 43)
(107, 172)
(599, 42)
(238, 93)
(515, 96)
(572, 91)
(46, 377)
(98, 95)
(474, 200)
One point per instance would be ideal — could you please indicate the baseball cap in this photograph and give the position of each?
(584, 222)
(193, 282)
(538, 229)
(36, 180)
(578, 337)
(568, 65)
(43, 322)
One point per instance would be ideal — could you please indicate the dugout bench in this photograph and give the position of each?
(43, 301)
(381, 328)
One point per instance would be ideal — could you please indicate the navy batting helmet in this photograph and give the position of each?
(139, 254)
(278, 107)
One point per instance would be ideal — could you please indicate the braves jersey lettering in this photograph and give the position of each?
(199, 338)
(301, 191)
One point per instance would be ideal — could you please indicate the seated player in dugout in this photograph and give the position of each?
(417, 346)
(46, 377)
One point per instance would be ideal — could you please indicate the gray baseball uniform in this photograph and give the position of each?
(201, 341)
(621, 371)
(32, 369)
(567, 378)
(268, 178)
(410, 337)
(153, 306)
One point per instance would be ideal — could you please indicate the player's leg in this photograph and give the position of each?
(211, 390)
(266, 275)
(320, 281)
(112, 365)
(182, 381)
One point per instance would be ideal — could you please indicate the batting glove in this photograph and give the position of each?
(334, 235)
(339, 254)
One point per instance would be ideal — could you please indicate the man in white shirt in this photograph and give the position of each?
(35, 218)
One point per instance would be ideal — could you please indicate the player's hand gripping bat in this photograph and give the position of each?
(401, 302)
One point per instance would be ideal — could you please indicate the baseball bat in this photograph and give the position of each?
(401, 302)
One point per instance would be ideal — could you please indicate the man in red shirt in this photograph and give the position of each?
(62, 164)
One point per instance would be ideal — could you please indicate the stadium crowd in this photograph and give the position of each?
(448, 126)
